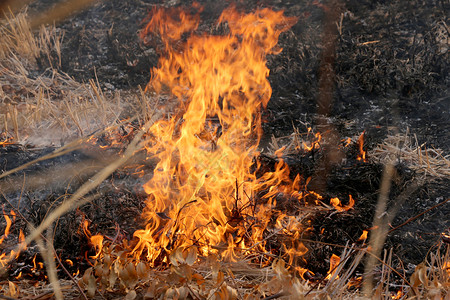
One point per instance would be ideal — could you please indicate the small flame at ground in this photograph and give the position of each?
(363, 236)
(338, 205)
(362, 154)
(334, 262)
(398, 295)
(8, 225)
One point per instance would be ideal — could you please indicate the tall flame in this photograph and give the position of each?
(203, 178)
(362, 154)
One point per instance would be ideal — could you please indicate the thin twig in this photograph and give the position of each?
(392, 269)
(341, 261)
(60, 12)
(380, 228)
(419, 215)
(194, 294)
(69, 275)
(50, 265)
(275, 296)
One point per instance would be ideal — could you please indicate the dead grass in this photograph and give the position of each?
(43, 109)
(212, 279)
(396, 148)
(404, 148)
(47, 109)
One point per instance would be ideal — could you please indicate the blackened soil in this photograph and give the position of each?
(391, 68)
(391, 64)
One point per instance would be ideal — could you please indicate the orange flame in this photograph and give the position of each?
(398, 295)
(362, 154)
(97, 241)
(6, 140)
(69, 262)
(338, 205)
(202, 182)
(363, 236)
(355, 282)
(4, 258)
(347, 142)
(446, 267)
(18, 276)
(334, 262)
(85, 227)
(8, 225)
(314, 144)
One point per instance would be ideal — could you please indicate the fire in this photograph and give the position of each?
(338, 205)
(69, 262)
(314, 144)
(8, 225)
(363, 236)
(97, 241)
(355, 282)
(398, 295)
(446, 267)
(347, 142)
(37, 265)
(5, 140)
(6, 258)
(205, 197)
(362, 154)
(18, 276)
(203, 183)
(334, 262)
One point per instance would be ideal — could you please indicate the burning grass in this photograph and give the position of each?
(221, 220)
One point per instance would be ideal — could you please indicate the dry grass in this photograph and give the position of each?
(51, 108)
(42, 110)
(397, 148)
(212, 279)
(404, 148)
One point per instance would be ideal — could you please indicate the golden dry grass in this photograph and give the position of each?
(404, 148)
(56, 104)
(51, 109)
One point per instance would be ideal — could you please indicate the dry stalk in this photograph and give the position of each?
(74, 201)
(11, 6)
(431, 278)
(50, 39)
(13, 114)
(47, 254)
(99, 96)
(54, 176)
(386, 272)
(73, 115)
(337, 287)
(17, 38)
(379, 232)
(61, 151)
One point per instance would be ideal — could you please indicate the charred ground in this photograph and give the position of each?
(391, 73)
